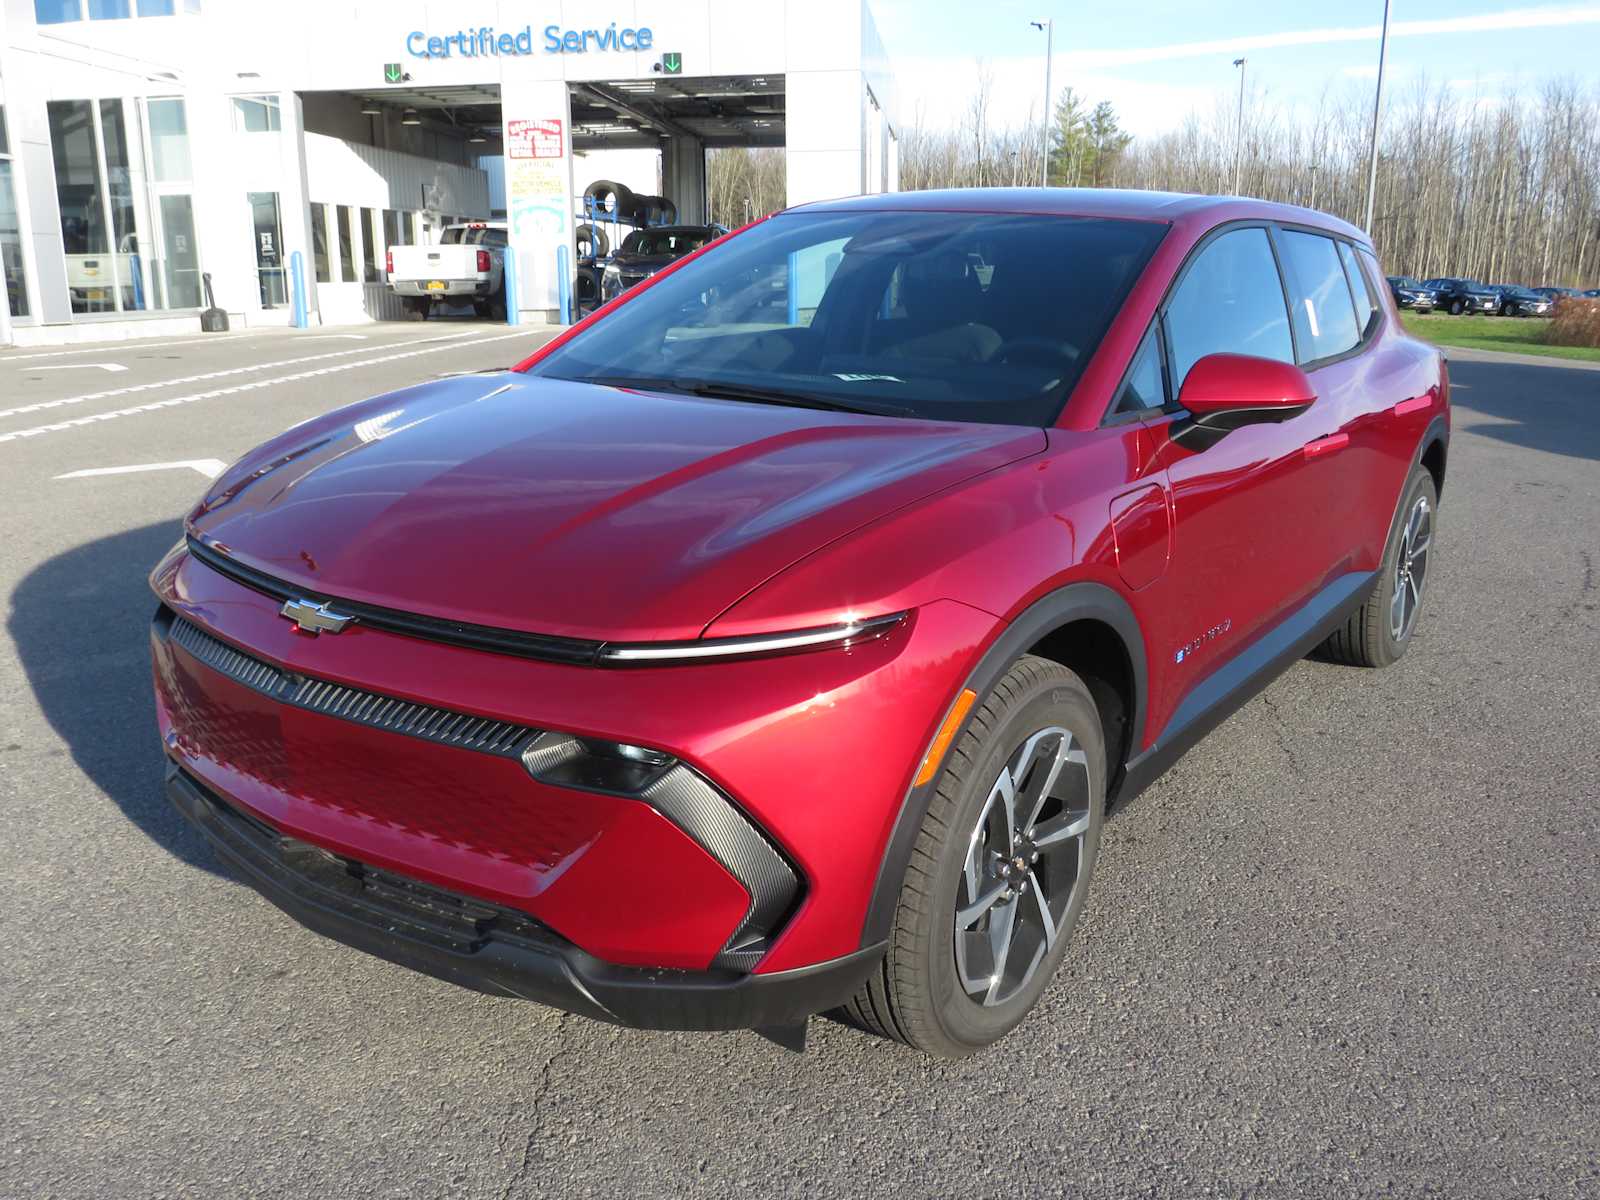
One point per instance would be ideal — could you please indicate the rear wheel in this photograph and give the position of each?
(1378, 632)
(1000, 870)
(1456, 307)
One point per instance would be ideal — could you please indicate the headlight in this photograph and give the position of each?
(845, 634)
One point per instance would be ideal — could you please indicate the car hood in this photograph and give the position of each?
(572, 509)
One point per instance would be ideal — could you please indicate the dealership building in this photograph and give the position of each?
(152, 149)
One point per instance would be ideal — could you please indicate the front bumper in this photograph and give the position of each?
(496, 950)
(816, 750)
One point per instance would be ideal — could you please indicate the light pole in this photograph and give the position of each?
(1238, 129)
(1049, 27)
(1377, 106)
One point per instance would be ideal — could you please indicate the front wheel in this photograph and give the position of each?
(1456, 308)
(1000, 870)
(1378, 632)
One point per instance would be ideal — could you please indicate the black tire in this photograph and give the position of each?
(417, 308)
(610, 199)
(1455, 308)
(1368, 638)
(590, 241)
(916, 995)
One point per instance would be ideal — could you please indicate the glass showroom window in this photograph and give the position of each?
(57, 12)
(92, 280)
(128, 234)
(369, 246)
(256, 114)
(178, 276)
(319, 242)
(269, 249)
(11, 229)
(347, 251)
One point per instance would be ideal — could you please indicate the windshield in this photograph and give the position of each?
(666, 241)
(950, 316)
(1404, 281)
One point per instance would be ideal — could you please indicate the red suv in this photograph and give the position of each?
(777, 639)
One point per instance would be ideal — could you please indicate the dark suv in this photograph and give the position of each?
(1517, 301)
(646, 251)
(1411, 293)
(1457, 296)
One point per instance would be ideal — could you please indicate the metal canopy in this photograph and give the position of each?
(720, 110)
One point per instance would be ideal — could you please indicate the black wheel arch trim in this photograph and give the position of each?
(1073, 602)
(1438, 432)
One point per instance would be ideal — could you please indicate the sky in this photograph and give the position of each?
(1159, 60)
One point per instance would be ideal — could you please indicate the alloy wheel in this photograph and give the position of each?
(1410, 569)
(1023, 867)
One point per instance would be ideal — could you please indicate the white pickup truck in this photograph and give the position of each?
(468, 264)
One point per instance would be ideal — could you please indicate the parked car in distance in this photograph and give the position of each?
(1592, 294)
(645, 251)
(1556, 293)
(1457, 296)
(1516, 301)
(468, 264)
(718, 666)
(1410, 293)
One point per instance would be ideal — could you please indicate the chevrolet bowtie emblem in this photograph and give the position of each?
(314, 618)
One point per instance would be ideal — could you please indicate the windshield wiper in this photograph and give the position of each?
(762, 395)
(717, 390)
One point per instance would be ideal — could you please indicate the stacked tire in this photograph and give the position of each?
(609, 200)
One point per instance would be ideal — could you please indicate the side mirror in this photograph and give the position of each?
(1224, 392)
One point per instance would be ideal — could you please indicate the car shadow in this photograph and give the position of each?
(80, 624)
(1550, 408)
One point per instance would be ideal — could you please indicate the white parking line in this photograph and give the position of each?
(111, 367)
(130, 345)
(130, 389)
(254, 385)
(209, 467)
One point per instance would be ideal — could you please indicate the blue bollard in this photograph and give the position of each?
(513, 296)
(564, 283)
(794, 288)
(297, 289)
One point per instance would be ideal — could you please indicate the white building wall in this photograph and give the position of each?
(828, 51)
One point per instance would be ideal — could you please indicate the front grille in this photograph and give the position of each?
(463, 730)
(542, 646)
(449, 920)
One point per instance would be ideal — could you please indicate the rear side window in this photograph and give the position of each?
(1366, 307)
(1324, 314)
(1230, 302)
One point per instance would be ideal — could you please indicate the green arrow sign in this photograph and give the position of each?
(672, 64)
(392, 73)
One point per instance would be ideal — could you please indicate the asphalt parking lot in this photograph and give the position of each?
(1348, 947)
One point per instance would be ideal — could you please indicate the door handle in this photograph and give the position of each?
(1415, 404)
(1326, 445)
